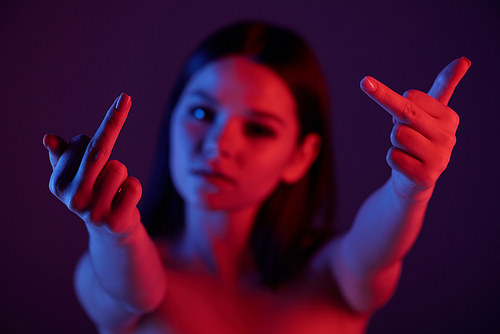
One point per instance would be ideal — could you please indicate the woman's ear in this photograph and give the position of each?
(302, 159)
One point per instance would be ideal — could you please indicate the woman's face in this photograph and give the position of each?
(233, 133)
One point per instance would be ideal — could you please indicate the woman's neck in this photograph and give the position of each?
(219, 240)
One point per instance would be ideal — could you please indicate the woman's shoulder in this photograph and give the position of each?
(196, 301)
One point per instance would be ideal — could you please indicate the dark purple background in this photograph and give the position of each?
(62, 63)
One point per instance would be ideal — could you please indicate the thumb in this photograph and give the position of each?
(448, 79)
(56, 146)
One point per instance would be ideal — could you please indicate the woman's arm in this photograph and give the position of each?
(366, 261)
(119, 279)
(121, 276)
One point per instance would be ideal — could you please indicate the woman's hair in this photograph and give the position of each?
(295, 220)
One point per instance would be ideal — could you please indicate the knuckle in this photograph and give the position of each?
(112, 120)
(395, 134)
(95, 216)
(445, 141)
(393, 156)
(80, 139)
(436, 165)
(454, 119)
(431, 177)
(398, 131)
(409, 94)
(388, 156)
(53, 188)
(450, 141)
(383, 95)
(441, 161)
(78, 202)
(116, 168)
(95, 149)
(450, 118)
(57, 185)
(408, 111)
(136, 214)
(413, 94)
(400, 135)
(134, 185)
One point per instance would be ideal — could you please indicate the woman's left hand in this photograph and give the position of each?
(424, 130)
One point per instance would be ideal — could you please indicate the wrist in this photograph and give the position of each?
(408, 192)
(104, 233)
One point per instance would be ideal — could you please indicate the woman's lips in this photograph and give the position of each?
(213, 176)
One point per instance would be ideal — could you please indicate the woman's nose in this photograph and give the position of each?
(219, 141)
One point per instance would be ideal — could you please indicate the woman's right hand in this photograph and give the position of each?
(97, 190)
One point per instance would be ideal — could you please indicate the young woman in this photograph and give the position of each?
(238, 236)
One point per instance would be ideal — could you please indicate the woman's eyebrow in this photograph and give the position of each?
(266, 115)
(204, 95)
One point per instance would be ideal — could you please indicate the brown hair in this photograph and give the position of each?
(295, 220)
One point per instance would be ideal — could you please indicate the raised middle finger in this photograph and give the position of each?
(101, 145)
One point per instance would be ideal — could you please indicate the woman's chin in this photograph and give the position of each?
(218, 202)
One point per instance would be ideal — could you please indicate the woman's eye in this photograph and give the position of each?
(202, 114)
(258, 130)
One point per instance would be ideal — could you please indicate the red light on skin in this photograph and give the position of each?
(214, 178)
(235, 133)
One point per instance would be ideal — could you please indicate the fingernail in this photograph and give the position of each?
(368, 84)
(44, 141)
(467, 60)
(122, 99)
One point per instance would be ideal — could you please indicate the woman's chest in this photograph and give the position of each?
(201, 304)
